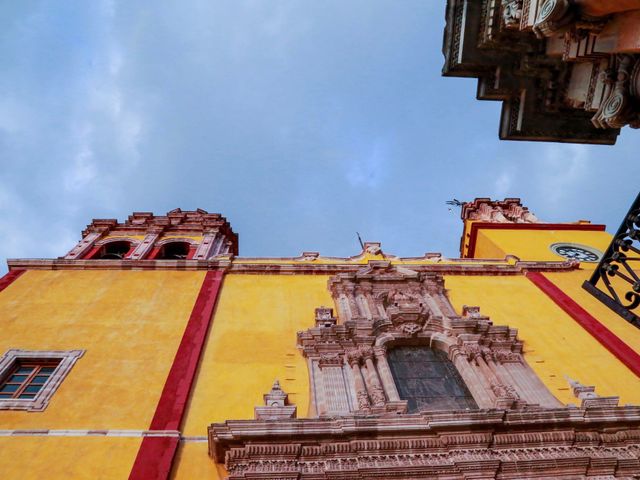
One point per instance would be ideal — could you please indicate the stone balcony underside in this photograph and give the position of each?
(553, 68)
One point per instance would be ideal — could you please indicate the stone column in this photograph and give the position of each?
(373, 382)
(354, 357)
(385, 374)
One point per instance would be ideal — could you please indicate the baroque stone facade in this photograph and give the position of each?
(565, 70)
(362, 429)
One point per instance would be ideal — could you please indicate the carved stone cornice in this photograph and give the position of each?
(238, 266)
(546, 443)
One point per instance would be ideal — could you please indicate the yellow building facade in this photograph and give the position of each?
(151, 350)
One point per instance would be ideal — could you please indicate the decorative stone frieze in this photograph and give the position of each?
(382, 306)
(560, 443)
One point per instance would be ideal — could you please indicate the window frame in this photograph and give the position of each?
(9, 361)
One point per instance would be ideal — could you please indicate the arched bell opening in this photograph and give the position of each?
(114, 250)
(174, 251)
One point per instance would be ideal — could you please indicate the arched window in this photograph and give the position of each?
(114, 250)
(428, 380)
(174, 251)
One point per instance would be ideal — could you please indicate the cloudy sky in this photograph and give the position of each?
(301, 121)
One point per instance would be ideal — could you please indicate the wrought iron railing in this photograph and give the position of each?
(615, 282)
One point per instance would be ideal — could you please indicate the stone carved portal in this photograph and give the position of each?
(384, 307)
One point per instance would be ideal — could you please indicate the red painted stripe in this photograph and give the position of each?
(156, 456)
(475, 226)
(154, 253)
(92, 253)
(606, 337)
(9, 278)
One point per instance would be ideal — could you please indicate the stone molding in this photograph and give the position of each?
(67, 359)
(382, 306)
(461, 266)
(565, 443)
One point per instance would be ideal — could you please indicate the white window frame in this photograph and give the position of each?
(37, 404)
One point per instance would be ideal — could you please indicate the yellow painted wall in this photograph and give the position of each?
(77, 458)
(485, 248)
(555, 345)
(251, 343)
(129, 322)
(534, 244)
(192, 461)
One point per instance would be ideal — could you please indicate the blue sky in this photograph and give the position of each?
(301, 121)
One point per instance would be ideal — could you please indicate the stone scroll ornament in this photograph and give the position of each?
(384, 306)
(621, 107)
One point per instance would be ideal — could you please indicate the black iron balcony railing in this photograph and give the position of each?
(615, 282)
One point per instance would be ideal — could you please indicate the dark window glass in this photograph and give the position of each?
(428, 380)
(9, 388)
(32, 389)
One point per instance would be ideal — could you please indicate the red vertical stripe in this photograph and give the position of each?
(9, 278)
(156, 453)
(606, 337)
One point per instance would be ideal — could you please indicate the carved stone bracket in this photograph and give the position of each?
(552, 17)
(622, 104)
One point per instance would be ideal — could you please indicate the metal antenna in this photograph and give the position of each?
(360, 240)
(454, 203)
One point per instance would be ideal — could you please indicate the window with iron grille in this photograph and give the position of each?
(28, 379)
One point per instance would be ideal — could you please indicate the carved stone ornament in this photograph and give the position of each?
(621, 105)
(383, 306)
(512, 13)
(275, 405)
(552, 17)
